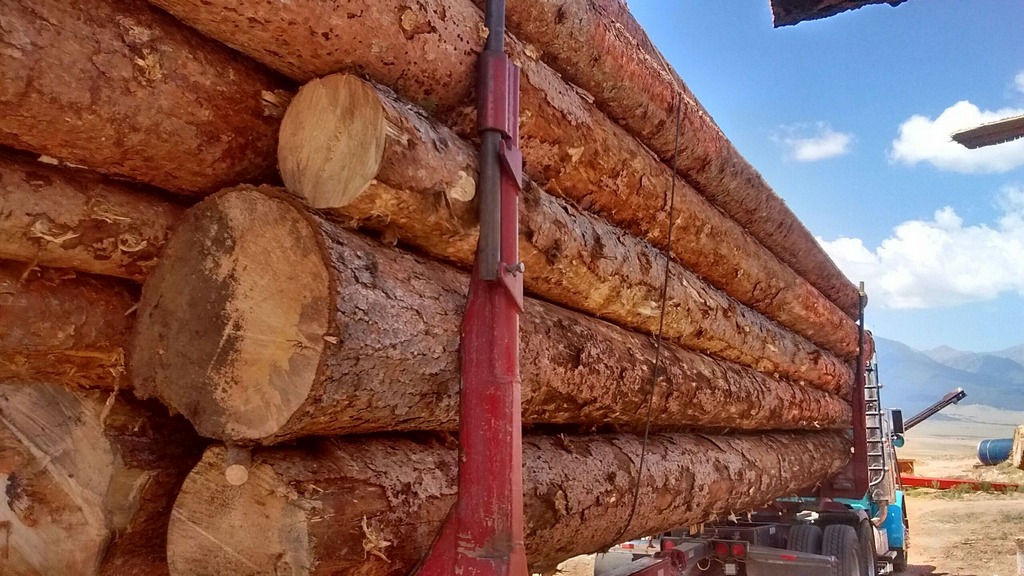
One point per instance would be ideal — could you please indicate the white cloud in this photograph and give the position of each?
(1018, 81)
(807, 144)
(922, 139)
(941, 262)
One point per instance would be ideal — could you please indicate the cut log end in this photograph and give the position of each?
(316, 164)
(237, 462)
(248, 316)
(464, 188)
(56, 500)
(236, 474)
(88, 480)
(276, 535)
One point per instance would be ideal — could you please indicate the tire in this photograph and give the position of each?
(840, 540)
(866, 537)
(804, 538)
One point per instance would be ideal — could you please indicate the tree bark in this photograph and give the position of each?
(789, 12)
(126, 90)
(577, 261)
(428, 54)
(373, 507)
(63, 327)
(590, 43)
(89, 480)
(1017, 450)
(421, 195)
(255, 339)
(70, 218)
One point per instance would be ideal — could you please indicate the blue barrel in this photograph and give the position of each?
(994, 450)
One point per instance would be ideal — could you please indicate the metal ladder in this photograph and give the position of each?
(878, 467)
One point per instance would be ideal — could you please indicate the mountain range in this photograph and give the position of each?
(914, 379)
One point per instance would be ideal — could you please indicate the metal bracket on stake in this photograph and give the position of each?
(512, 278)
(500, 157)
(498, 107)
(512, 158)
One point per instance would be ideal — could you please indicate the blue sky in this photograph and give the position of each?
(848, 120)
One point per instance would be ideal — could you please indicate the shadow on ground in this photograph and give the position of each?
(922, 570)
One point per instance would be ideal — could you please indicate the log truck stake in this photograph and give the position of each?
(483, 533)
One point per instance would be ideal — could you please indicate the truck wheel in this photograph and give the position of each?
(804, 538)
(840, 540)
(866, 537)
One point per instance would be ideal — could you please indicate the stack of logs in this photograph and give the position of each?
(167, 305)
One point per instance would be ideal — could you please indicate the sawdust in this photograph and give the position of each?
(374, 542)
(48, 230)
(149, 66)
(275, 102)
(131, 243)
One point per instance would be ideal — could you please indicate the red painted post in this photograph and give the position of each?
(852, 481)
(483, 534)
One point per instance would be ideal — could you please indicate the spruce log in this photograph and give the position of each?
(70, 218)
(1017, 450)
(415, 184)
(126, 90)
(89, 480)
(258, 339)
(790, 12)
(373, 507)
(590, 43)
(64, 327)
(428, 54)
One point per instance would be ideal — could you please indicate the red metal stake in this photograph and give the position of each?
(483, 534)
(852, 481)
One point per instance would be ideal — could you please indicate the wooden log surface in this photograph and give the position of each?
(127, 90)
(428, 54)
(70, 218)
(419, 191)
(1017, 450)
(89, 480)
(373, 506)
(258, 340)
(64, 327)
(790, 12)
(592, 45)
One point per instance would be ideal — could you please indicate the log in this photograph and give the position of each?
(71, 218)
(89, 479)
(419, 192)
(259, 340)
(126, 90)
(593, 45)
(63, 327)
(373, 507)
(428, 55)
(789, 12)
(1017, 451)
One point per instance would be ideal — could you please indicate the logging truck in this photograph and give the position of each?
(799, 536)
(306, 230)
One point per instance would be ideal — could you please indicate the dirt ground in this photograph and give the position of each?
(952, 533)
(958, 534)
